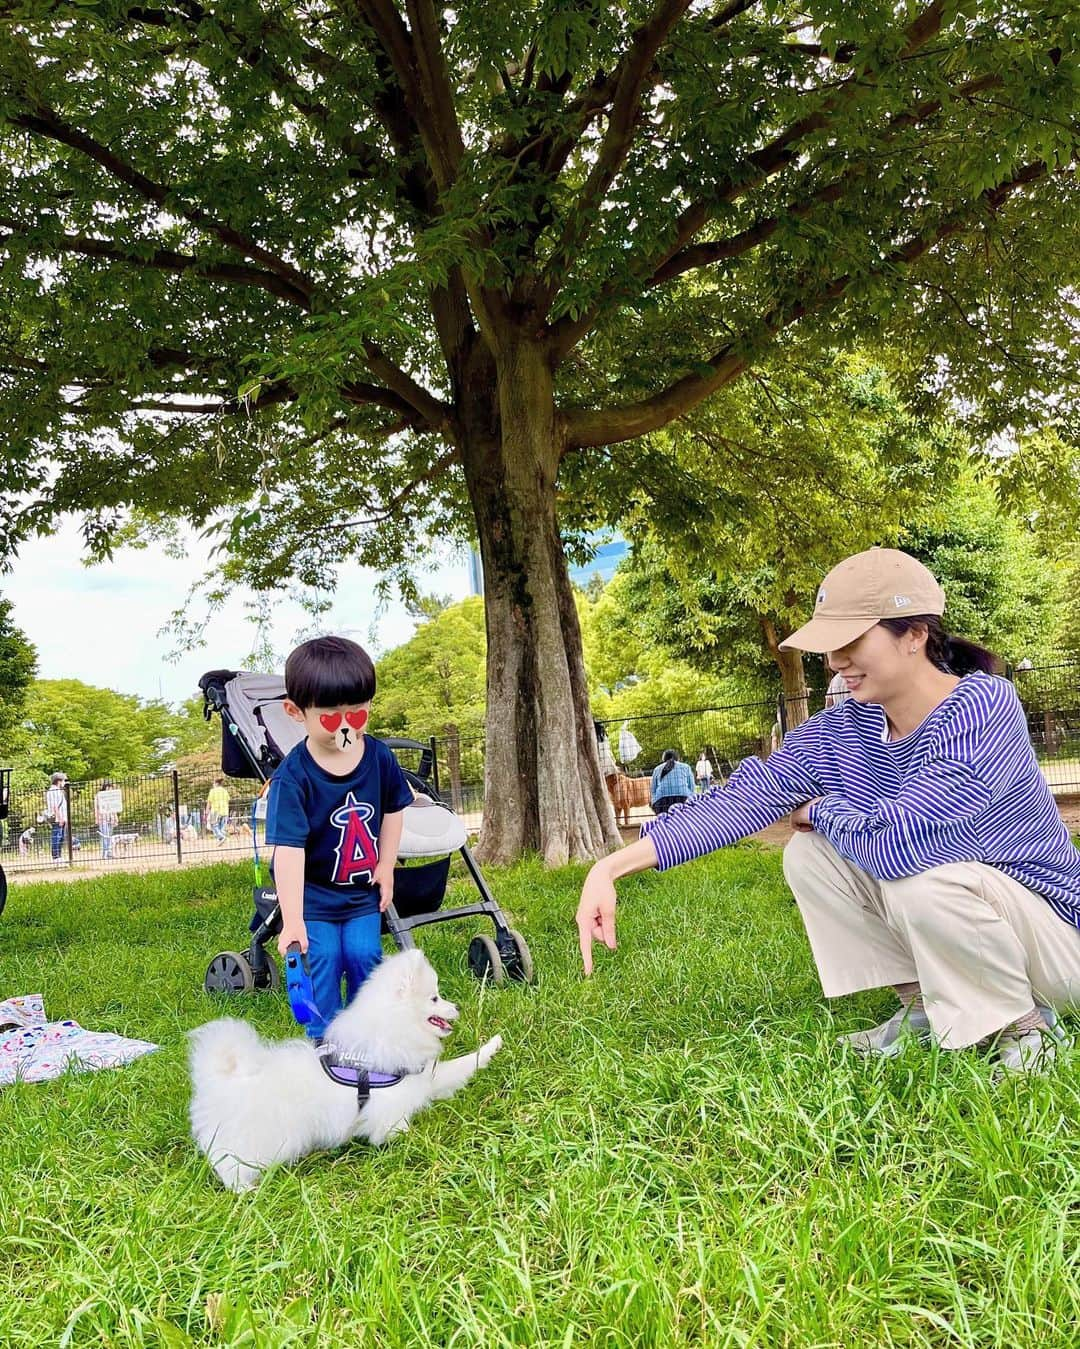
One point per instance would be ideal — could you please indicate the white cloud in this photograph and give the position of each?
(100, 624)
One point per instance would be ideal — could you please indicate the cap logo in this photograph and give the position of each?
(901, 600)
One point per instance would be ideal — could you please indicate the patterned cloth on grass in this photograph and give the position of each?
(33, 1049)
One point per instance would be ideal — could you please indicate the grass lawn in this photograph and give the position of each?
(673, 1153)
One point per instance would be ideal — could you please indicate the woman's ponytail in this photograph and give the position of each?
(953, 655)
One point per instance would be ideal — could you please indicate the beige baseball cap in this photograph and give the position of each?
(862, 590)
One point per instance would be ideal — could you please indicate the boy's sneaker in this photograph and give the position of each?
(1032, 1051)
(888, 1039)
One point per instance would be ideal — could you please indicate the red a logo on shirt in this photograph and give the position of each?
(357, 853)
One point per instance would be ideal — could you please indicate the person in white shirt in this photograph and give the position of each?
(837, 692)
(704, 771)
(107, 816)
(56, 809)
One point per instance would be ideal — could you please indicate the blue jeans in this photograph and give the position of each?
(57, 840)
(353, 949)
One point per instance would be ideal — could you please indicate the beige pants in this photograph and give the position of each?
(982, 946)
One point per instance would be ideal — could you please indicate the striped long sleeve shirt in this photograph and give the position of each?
(964, 786)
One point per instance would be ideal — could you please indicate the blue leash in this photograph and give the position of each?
(299, 987)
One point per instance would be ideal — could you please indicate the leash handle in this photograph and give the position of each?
(299, 987)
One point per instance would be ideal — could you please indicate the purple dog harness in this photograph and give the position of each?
(362, 1080)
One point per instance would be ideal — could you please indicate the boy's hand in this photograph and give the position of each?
(383, 878)
(292, 932)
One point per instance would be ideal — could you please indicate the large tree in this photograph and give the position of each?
(347, 273)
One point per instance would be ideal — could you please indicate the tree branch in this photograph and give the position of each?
(432, 474)
(622, 120)
(702, 255)
(764, 163)
(161, 259)
(585, 428)
(417, 62)
(43, 121)
(433, 411)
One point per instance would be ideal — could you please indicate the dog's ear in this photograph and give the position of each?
(409, 964)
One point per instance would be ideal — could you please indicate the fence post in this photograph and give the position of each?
(1010, 672)
(781, 716)
(67, 811)
(176, 814)
(435, 765)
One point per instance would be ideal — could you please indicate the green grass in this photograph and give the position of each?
(673, 1153)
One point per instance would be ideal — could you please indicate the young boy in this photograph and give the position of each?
(334, 816)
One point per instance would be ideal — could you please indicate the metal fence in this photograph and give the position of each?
(161, 817)
(1050, 695)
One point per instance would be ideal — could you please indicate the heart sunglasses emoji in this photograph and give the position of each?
(331, 721)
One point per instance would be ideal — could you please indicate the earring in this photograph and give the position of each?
(914, 649)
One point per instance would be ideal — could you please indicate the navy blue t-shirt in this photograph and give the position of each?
(336, 820)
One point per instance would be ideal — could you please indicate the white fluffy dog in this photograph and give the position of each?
(255, 1103)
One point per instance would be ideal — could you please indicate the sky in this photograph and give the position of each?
(101, 624)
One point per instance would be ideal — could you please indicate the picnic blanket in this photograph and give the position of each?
(33, 1049)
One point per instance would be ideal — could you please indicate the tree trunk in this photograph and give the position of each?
(543, 789)
(792, 676)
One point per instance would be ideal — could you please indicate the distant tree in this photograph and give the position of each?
(1002, 590)
(1002, 586)
(770, 484)
(18, 665)
(90, 732)
(436, 678)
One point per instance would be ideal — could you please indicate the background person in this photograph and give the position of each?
(671, 784)
(929, 853)
(703, 771)
(217, 810)
(56, 811)
(837, 691)
(106, 816)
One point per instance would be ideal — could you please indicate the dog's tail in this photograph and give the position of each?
(225, 1048)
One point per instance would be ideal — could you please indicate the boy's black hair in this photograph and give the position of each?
(329, 671)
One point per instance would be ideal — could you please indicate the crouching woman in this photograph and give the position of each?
(929, 854)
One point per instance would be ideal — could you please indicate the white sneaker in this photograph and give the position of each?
(888, 1039)
(1033, 1051)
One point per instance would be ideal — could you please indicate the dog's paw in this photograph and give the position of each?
(488, 1051)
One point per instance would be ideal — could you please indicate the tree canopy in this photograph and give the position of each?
(18, 665)
(89, 732)
(435, 680)
(328, 278)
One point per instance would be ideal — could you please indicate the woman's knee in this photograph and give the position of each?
(802, 852)
(922, 901)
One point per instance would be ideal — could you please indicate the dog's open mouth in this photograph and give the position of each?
(440, 1023)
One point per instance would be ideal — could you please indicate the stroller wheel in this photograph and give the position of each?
(270, 978)
(485, 961)
(519, 962)
(229, 972)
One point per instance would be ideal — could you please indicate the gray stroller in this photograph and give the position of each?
(256, 736)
